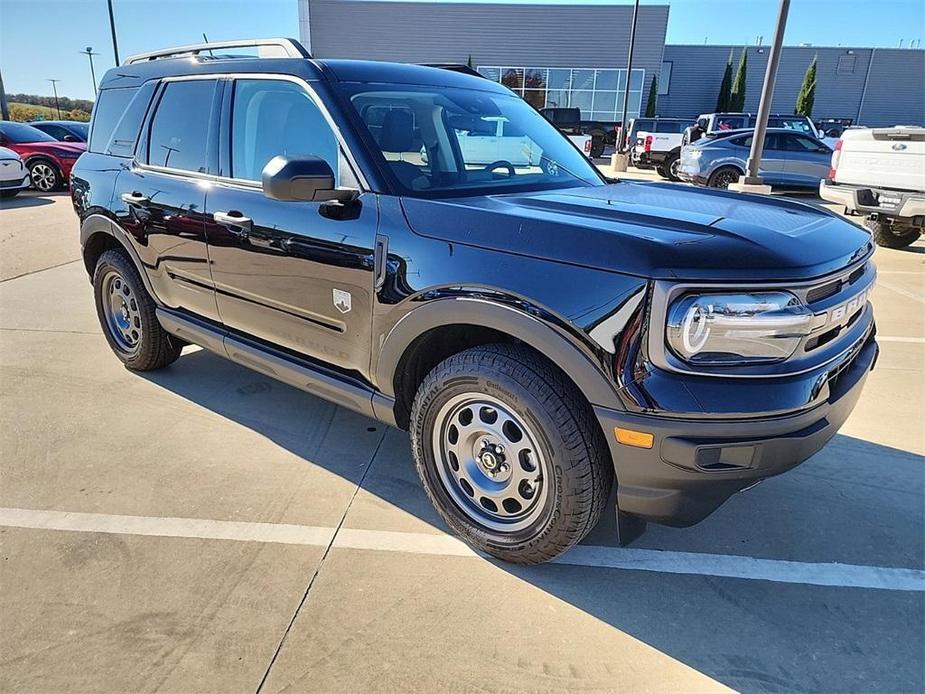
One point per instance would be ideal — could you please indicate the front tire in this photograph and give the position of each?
(127, 315)
(45, 176)
(723, 177)
(509, 453)
(892, 235)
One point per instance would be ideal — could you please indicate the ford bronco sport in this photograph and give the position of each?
(547, 336)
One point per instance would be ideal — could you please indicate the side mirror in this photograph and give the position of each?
(303, 178)
(69, 138)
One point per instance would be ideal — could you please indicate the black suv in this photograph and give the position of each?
(546, 335)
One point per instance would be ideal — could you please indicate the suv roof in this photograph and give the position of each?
(283, 56)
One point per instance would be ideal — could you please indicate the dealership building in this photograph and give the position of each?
(575, 55)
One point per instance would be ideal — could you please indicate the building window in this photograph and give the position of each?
(845, 65)
(597, 92)
(664, 77)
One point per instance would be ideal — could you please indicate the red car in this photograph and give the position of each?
(49, 162)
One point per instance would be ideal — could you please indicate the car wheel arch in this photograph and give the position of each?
(398, 370)
(98, 234)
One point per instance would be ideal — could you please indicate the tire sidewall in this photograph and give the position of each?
(447, 385)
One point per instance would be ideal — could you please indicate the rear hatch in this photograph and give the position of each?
(886, 158)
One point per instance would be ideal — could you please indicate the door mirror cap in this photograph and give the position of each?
(305, 178)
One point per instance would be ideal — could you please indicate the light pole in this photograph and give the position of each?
(54, 86)
(88, 51)
(112, 29)
(751, 182)
(619, 160)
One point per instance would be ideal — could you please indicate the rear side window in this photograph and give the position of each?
(110, 105)
(180, 129)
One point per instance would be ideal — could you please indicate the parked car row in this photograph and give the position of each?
(48, 160)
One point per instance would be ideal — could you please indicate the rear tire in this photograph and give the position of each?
(546, 477)
(672, 162)
(127, 315)
(892, 235)
(723, 177)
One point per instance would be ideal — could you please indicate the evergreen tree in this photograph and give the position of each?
(807, 95)
(725, 88)
(653, 98)
(737, 99)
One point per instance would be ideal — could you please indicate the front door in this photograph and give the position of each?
(290, 273)
(160, 199)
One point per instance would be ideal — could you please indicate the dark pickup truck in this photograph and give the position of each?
(568, 120)
(547, 336)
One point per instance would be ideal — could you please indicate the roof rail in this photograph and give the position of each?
(268, 48)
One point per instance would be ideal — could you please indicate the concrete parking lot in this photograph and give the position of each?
(206, 529)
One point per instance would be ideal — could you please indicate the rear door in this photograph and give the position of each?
(160, 199)
(808, 159)
(292, 273)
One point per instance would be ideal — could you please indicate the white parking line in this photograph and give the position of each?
(890, 338)
(658, 561)
(901, 291)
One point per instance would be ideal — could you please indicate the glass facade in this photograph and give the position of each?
(598, 92)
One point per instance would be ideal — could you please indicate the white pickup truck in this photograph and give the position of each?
(496, 140)
(880, 173)
(659, 146)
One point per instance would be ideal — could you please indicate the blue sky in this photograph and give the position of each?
(40, 39)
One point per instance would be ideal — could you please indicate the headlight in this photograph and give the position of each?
(735, 328)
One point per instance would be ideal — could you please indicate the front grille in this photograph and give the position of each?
(15, 183)
(823, 292)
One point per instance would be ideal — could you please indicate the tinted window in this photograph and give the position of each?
(80, 130)
(106, 113)
(179, 135)
(122, 142)
(271, 117)
(19, 133)
(56, 131)
(801, 143)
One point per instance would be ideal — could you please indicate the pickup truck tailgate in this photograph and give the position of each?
(893, 157)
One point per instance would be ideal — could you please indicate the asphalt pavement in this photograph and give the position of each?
(206, 529)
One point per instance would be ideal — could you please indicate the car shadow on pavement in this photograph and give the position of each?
(29, 200)
(855, 502)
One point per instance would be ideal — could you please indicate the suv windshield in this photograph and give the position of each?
(444, 141)
(20, 133)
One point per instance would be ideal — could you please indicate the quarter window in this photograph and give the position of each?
(110, 104)
(272, 117)
(180, 130)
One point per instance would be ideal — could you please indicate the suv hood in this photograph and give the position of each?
(651, 230)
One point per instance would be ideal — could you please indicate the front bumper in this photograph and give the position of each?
(16, 183)
(870, 200)
(693, 466)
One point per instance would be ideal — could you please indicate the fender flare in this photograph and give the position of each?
(97, 223)
(541, 335)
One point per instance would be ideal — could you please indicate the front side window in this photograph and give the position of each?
(443, 141)
(180, 129)
(273, 117)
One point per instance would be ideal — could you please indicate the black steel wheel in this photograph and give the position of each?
(509, 453)
(127, 315)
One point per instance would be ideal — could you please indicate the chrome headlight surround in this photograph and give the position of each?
(833, 310)
(736, 328)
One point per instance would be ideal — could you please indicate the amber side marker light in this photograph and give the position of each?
(629, 437)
